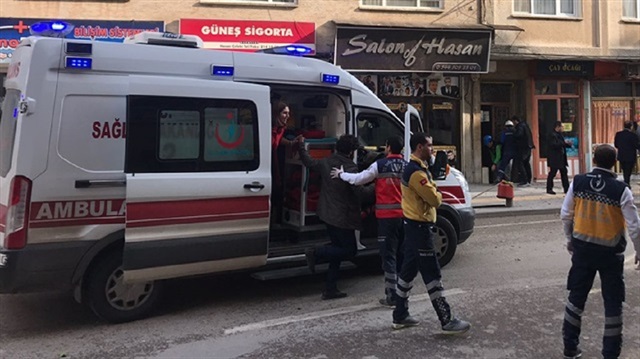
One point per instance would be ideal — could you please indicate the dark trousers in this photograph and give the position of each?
(420, 255)
(343, 246)
(390, 240)
(502, 166)
(563, 176)
(627, 167)
(523, 166)
(584, 265)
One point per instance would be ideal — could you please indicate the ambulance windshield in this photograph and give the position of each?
(8, 120)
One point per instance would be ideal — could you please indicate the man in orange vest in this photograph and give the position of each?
(387, 173)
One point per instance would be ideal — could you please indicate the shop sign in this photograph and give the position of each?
(250, 36)
(565, 68)
(418, 50)
(14, 29)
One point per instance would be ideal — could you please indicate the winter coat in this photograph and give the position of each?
(627, 144)
(557, 154)
(339, 203)
(523, 139)
(508, 142)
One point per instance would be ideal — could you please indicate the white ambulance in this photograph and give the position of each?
(122, 165)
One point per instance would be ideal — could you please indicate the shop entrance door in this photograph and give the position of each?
(557, 101)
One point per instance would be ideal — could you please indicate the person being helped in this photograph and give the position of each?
(387, 173)
(280, 116)
(420, 198)
(495, 154)
(339, 209)
(557, 158)
(626, 141)
(524, 145)
(596, 212)
(509, 150)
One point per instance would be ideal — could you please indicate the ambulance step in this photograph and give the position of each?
(297, 271)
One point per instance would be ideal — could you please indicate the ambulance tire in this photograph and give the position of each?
(102, 293)
(446, 237)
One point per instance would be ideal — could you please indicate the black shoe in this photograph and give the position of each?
(550, 191)
(310, 253)
(387, 302)
(327, 295)
(572, 354)
(405, 323)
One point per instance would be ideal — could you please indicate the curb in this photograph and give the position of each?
(510, 212)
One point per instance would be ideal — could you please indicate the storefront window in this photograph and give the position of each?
(564, 108)
(569, 88)
(546, 88)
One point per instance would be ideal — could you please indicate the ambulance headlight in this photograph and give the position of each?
(51, 28)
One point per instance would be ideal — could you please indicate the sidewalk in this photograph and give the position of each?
(527, 201)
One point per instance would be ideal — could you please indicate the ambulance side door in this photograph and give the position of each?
(197, 163)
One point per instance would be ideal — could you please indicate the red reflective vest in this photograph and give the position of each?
(388, 192)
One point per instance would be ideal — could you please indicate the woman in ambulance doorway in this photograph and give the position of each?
(280, 119)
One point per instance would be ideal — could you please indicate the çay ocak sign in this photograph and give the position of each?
(461, 51)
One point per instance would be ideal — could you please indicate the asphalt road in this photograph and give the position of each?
(507, 280)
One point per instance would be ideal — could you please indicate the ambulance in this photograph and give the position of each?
(126, 164)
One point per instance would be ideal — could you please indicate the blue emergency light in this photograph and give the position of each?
(81, 63)
(51, 28)
(298, 50)
(221, 70)
(330, 79)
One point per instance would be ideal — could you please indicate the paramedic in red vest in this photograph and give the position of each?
(387, 173)
(596, 211)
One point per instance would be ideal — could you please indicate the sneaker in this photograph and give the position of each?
(387, 302)
(456, 326)
(572, 354)
(550, 191)
(405, 323)
(310, 253)
(524, 184)
(333, 295)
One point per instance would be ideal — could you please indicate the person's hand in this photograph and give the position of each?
(570, 248)
(493, 167)
(569, 142)
(335, 172)
(298, 139)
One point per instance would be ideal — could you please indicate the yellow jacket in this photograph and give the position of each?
(420, 196)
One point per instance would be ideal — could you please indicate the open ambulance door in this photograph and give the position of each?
(198, 172)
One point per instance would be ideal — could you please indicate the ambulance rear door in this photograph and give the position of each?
(197, 165)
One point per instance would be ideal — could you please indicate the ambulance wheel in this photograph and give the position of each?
(445, 240)
(113, 300)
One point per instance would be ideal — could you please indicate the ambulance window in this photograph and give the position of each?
(176, 134)
(8, 123)
(375, 128)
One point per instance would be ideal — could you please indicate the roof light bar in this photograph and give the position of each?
(51, 29)
(292, 50)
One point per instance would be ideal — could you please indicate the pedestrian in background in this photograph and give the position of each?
(627, 144)
(524, 145)
(509, 150)
(387, 173)
(495, 154)
(339, 209)
(557, 158)
(596, 211)
(420, 198)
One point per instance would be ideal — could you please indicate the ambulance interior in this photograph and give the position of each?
(320, 116)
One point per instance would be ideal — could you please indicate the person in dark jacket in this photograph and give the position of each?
(339, 209)
(557, 158)
(524, 144)
(509, 150)
(626, 142)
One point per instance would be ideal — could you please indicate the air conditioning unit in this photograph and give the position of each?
(633, 71)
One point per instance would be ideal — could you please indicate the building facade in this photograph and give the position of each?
(474, 63)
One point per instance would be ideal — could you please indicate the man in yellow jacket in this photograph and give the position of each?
(420, 198)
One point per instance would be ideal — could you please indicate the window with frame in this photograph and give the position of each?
(631, 9)
(171, 134)
(422, 4)
(570, 8)
(375, 128)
